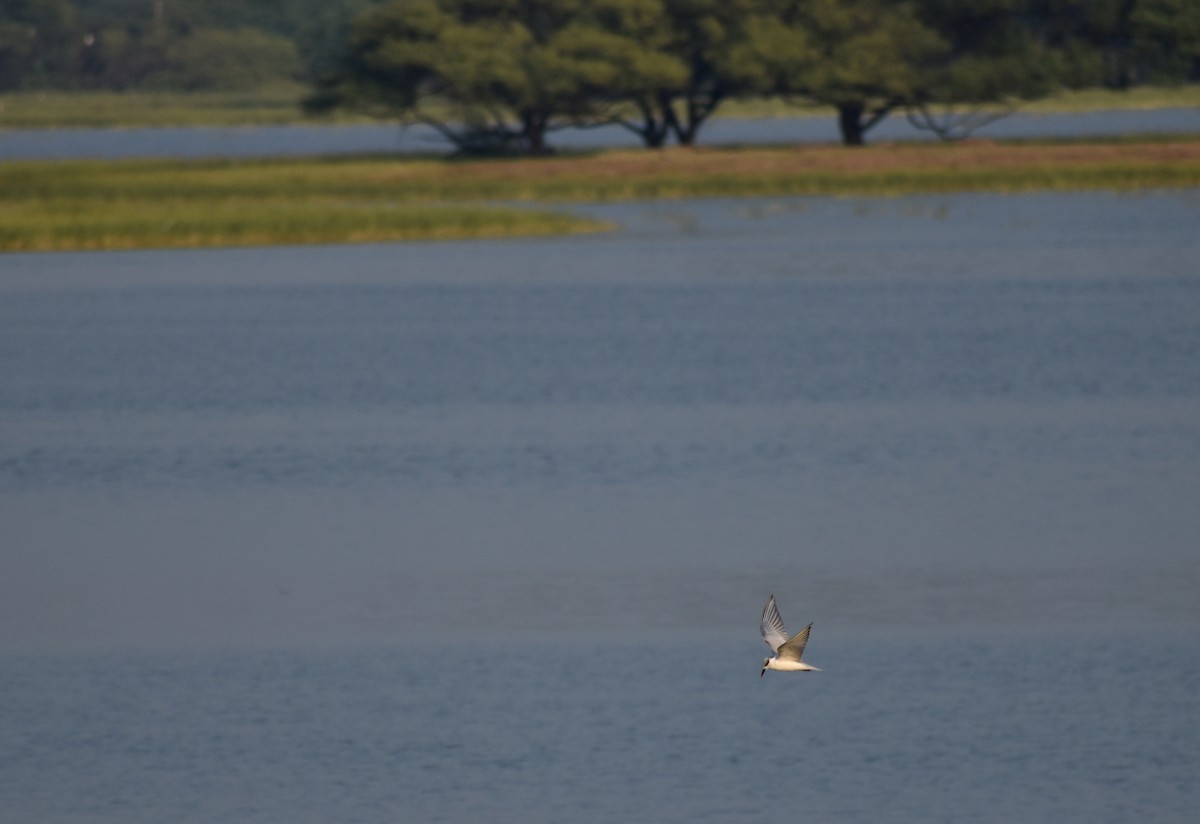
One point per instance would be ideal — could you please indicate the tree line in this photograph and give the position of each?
(500, 75)
(186, 45)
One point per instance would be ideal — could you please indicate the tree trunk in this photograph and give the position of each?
(537, 141)
(685, 133)
(697, 108)
(654, 138)
(850, 122)
(535, 132)
(654, 130)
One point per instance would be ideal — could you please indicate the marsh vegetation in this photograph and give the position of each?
(177, 203)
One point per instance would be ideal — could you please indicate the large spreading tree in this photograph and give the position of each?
(994, 59)
(499, 74)
(489, 75)
(704, 37)
(950, 65)
(502, 73)
(865, 58)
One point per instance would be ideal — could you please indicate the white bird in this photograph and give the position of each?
(787, 650)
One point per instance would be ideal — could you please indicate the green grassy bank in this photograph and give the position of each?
(60, 225)
(170, 203)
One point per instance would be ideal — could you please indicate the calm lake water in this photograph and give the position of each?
(310, 139)
(477, 532)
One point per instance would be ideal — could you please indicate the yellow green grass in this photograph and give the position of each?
(47, 205)
(62, 224)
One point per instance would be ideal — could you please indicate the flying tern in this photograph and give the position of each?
(787, 650)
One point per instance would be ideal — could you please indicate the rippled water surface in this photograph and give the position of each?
(306, 534)
(993, 729)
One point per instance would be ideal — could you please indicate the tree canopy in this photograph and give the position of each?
(168, 44)
(505, 71)
(490, 75)
(862, 57)
(499, 75)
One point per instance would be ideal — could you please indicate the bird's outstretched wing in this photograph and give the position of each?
(794, 648)
(772, 627)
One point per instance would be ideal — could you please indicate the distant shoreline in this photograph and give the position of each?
(281, 105)
(136, 204)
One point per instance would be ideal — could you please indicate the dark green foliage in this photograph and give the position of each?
(703, 36)
(498, 75)
(180, 44)
(489, 74)
(863, 57)
(38, 41)
(1165, 41)
(229, 59)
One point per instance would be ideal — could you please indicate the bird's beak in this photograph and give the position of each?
(762, 672)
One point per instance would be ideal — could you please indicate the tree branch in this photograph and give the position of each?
(952, 125)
